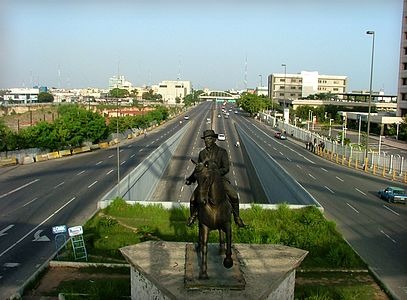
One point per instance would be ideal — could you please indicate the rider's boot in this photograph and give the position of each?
(236, 217)
(192, 218)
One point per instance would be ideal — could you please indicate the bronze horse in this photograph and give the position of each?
(214, 212)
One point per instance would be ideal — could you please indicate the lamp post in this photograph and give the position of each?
(285, 80)
(370, 93)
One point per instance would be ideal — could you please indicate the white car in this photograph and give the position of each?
(221, 137)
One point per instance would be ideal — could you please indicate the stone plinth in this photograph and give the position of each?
(158, 271)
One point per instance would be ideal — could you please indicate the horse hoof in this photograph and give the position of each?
(203, 276)
(228, 262)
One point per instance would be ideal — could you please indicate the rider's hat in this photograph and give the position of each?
(209, 132)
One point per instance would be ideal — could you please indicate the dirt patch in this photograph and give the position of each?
(55, 275)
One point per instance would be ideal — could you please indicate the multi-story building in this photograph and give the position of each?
(22, 95)
(171, 90)
(402, 86)
(297, 86)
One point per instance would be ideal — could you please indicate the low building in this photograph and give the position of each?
(22, 95)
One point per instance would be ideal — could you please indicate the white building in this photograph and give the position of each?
(170, 90)
(22, 95)
(296, 86)
(119, 82)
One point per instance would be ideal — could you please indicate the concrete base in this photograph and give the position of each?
(158, 271)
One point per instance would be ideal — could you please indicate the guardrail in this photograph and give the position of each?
(388, 166)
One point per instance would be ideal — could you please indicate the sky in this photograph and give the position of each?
(216, 44)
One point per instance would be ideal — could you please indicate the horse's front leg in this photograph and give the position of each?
(228, 261)
(221, 242)
(203, 237)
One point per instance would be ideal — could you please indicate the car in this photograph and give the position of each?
(280, 136)
(208, 120)
(186, 117)
(221, 137)
(393, 194)
(219, 116)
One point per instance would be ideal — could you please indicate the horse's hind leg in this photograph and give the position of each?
(203, 237)
(228, 261)
(221, 242)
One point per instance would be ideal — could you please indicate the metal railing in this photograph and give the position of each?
(376, 163)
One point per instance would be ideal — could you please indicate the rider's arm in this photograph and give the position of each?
(224, 166)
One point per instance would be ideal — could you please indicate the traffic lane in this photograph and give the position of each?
(272, 175)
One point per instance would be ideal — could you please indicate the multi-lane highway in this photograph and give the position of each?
(375, 229)
(36, 197)
(33, 198)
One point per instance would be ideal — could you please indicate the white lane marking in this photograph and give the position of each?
(19, 188)
(109, 172)
(235, 182)
(281, 153)
(132, 155)
(92, 184)
(39, 238)
(58, 185)
(234, 174)
(289, 159)
(394, 212)
(81, 172)
(122, 162)
(311, 176)
(388, 237)
(110, 156)
(99, 162)
(324, 170)
(182, 189)
(121, 150)
(11, 265)
(275, 148)
(29, 202)
(360, 191)
(332, 192)
(3, 231)
(352, 207)
(36, 227)
(129, 146)
(140, 150)
(340, 179)
(299, 167)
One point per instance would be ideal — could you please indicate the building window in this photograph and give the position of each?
(163, 86)
(178, 86)
(405, 50)
(403, 96)
(404, 66)
(282, 87)
(293, 87)
(282, 79)
(335, 89)
(404, 81)
(281, 94)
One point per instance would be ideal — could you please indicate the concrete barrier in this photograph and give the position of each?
(41, 157)
(65, 152)
(53, 155)
(103, 145)
(8, 161)
(27, 160)
(81, 150)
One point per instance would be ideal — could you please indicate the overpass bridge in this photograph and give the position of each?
(219, 96)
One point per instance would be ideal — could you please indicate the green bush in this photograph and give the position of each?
(304, 228)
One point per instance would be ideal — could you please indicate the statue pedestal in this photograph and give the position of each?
(169, 270)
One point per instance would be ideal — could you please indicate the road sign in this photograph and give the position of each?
(59, 229)
(74, 231)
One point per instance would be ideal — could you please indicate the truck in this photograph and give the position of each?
(393, 194)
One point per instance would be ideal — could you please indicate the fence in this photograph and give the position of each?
(385, 165)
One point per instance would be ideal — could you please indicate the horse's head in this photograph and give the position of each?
(204, 173)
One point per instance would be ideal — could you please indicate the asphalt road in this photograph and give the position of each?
(375, 229)
(36, 197)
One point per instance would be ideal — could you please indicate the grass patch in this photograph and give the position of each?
(122, 224)
(95, 289)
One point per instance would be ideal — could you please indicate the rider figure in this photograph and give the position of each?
(219, 155)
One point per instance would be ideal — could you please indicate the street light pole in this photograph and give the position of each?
(370, 94)
(285, 81)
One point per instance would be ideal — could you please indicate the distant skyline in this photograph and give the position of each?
(79, 44)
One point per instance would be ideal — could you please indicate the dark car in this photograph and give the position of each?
(280, 135)
(393, 194)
